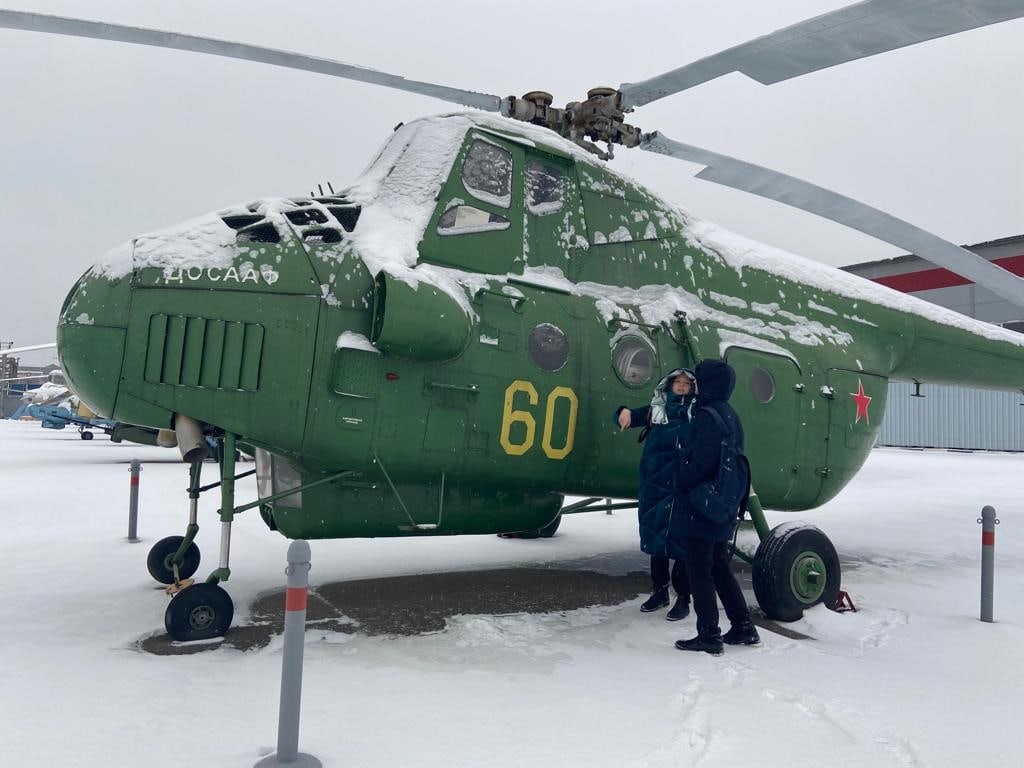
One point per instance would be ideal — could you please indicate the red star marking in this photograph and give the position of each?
(862, 401)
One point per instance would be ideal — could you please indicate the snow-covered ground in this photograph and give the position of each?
(912, 679)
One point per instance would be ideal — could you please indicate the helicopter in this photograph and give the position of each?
(436, 348)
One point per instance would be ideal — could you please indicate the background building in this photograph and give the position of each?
(953, 417)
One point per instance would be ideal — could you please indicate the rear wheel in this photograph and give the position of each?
(86, 435)
(795, 567)
(549, 530)
(200, 612)
(541, 533)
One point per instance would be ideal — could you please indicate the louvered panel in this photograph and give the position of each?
(231, 365)
(252, 353)
(213, 354)
(174, 345)
(155, 347)
(192, 354)
(197, 352)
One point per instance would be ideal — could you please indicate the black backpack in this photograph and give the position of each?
(724, 498)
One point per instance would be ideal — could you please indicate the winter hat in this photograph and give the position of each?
(658, 413)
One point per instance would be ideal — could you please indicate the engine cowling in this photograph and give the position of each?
(419, 322)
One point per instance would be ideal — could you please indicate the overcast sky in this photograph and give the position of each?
(101, 141)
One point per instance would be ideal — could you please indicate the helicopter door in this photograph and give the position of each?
(554, 225)
(856, 401)
(770, 400)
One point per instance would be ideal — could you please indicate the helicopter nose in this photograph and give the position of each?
(91, 334)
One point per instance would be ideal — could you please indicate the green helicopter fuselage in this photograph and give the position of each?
(457, 328)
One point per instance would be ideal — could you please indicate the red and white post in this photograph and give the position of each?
(988, 522)
(295, 600)
(133, 501)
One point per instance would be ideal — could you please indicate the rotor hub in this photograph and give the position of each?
(600, 118)
(539, 98)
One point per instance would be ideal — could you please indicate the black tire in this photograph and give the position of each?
(787, 571)
(540, 533)
(86, 435)
(549, 530)
(158, 561)
(199, 612)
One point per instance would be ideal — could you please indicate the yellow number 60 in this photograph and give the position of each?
(511, 416)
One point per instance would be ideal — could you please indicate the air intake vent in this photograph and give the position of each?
(196, 352)
(307, 216)
(347, 216)
(237, 222)
(261, 233)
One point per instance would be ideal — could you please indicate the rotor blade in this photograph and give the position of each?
(26, 378)
(60, 25)
(850, 33)
(773, 185)
(26, 349)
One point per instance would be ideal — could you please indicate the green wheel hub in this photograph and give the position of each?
(808, 577)
(201, 617)
(795, 568)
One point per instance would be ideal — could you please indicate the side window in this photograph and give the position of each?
(548, 346)
(545, 188)
(487, 173)
(462, 219)
(633, 359)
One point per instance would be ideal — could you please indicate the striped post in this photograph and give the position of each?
(133, 501)
(988, 522)
(295, 599)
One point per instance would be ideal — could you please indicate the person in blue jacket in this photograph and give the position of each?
(666, 423)
(705, 542)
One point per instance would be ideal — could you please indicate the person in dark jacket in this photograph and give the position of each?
(666, 423)
(705, 542)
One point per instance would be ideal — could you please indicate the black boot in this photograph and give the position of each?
(709, 642)
(680, 609)
(658, 599)
(742, 634)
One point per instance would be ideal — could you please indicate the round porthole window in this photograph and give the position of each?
(548, 346)
(634, 360)
(762, 385)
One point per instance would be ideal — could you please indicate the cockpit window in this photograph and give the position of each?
(462, 219)
(487, 173)
(544, 188)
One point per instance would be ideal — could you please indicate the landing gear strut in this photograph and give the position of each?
(198, 611)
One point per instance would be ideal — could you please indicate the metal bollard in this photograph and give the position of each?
(988, 521)
(291, 663)
(133, 502)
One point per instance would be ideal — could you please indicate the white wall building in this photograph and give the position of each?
(953, 417)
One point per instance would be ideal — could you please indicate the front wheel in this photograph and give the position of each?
(159, 560)
(86, 435)
(795, 567)
(199, 612)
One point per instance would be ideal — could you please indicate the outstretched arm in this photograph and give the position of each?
(632, 417)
